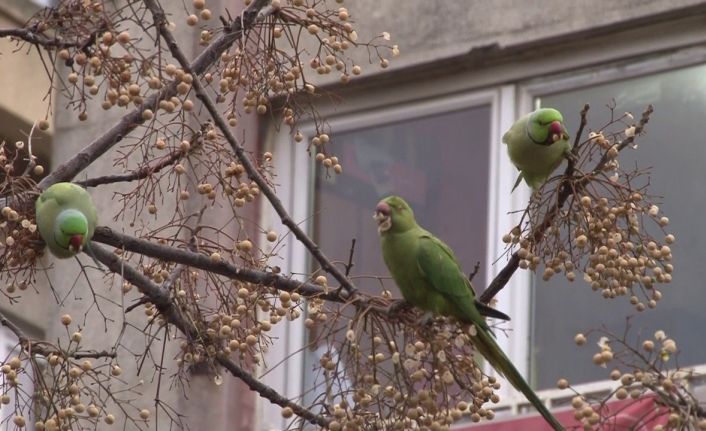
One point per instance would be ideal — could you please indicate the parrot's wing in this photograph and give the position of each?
(61, 193)
(439, 266)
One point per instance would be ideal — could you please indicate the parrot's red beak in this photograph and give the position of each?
(76, 242)
(382, 216)
(383, 208)
(556, 132)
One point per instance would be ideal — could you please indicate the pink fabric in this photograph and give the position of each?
(637, 415)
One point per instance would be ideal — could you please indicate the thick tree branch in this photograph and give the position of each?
(250, 168)
(186, 257)
(70, 168)
(162, 300)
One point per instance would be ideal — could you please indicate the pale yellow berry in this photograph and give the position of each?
(621, 393)
(123, 37)
(580, 339)
(19, 420)
(272, 236)
(245, 245)
(108, 38)
(66, 319)
(92, 411)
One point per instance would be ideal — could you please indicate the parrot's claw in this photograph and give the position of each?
(36, 243)
(427, 320)
(571, 157)
(398, 306)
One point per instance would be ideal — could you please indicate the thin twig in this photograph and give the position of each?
(350, 263)
(144, 171)
(476, 268)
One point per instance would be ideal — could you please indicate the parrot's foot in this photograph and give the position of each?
(571, 157)
(427, 320)
(398, 306)
(36, 243)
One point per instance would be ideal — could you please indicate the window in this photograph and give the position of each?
(389, 151)
(399, 149)
(438, 163)
(674, 146)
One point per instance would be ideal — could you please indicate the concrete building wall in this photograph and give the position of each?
(23, 77)
(428, 31)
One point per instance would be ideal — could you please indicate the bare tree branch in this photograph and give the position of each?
(186, 257)
(30, 35)
(162, 300)
(251, 170)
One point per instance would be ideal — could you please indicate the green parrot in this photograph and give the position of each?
(429, 277)
(537, 143)
(66, 218)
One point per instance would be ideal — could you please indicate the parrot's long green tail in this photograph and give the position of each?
(486, 346)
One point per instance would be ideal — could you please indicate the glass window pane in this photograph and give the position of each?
(438, 163)
(674, 146)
